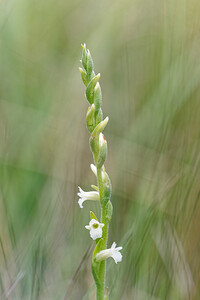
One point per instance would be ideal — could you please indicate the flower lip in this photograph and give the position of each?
(95, 229)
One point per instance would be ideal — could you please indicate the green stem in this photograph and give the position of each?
(102, 266)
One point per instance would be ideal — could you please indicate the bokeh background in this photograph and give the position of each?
(148, 55)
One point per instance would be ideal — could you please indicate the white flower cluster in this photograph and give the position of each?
(95, 227)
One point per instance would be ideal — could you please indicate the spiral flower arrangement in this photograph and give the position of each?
(102, 191)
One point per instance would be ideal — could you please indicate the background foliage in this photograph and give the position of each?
(148, 55)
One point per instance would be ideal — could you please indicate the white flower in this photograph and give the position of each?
(92, 195)
(95, 229)
(112, 252)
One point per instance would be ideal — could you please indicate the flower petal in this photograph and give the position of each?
(117, 256)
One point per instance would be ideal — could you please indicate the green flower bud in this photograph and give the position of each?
(84, 76)
(90, 120)
(94, 139)
(107, 188)
(98, 117)
(97, 97)
(84, 57)
(109, 210)
(102, 150)
(90, 65)
(90, 88)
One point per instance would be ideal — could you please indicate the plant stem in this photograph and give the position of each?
(102, 267)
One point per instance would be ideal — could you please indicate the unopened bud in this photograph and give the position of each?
(107, 188)
(90, 88)
(94, 139)
(84, 57)
(84, 76)
(90, 120)
(90, 65)
(109, 210)
(97, 97)
(102, 150)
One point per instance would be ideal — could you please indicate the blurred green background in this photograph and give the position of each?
(148, 55)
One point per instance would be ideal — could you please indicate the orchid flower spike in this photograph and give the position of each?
(111, 252)
(95, 229)
(92, 195)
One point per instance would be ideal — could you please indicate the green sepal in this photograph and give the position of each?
(97, 98)
(90, 88)
(109, 210)
(90, 65)
(90, 119)
(92, 216)
(84, 76)
(84, 57)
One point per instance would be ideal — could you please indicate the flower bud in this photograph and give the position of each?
(84, 76)
(90, 65)
(90, 120)
(90, 88)
(107, 188)
(94, 139)
(102, 150)
(84, 57)
(109, 211)
(98, 117)
(97, 97)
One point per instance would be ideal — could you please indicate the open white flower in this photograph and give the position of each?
(92, 195)
(111, 252)
(95, 229)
